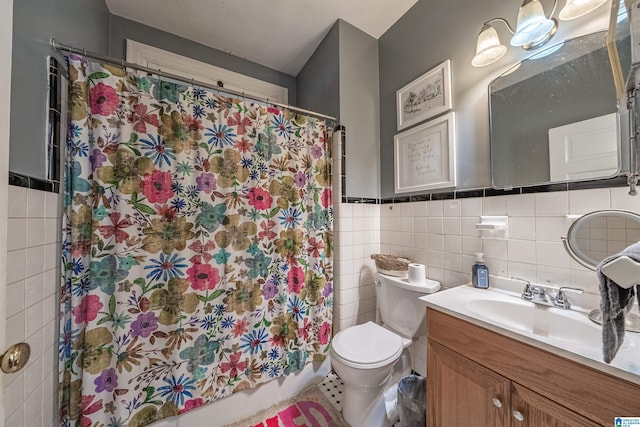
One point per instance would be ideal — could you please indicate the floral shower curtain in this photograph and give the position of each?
(198, 247)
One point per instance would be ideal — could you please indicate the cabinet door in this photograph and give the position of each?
(462, 393)
(529, 409)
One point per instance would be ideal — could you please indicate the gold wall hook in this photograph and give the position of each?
(15, 358)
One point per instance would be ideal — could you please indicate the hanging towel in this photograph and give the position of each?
(615, 303)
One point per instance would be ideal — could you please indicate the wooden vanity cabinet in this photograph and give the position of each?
(478, 377)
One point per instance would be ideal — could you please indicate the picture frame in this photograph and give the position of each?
(427, 96)
(425, 156)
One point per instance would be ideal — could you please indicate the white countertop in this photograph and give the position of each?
(587, 350)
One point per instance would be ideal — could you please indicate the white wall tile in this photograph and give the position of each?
(552, 204)
(34, 289)
(523, 270)
(453, 262)
(345, 210)
(33, 318)
(420, 224)
(551, 228)
(453, 244)
(15, 298)
(520, 205)
(451, 225)
(435, 259)
(33, 275)
(471, 206)
(620, 199)
(585, 279)
(522, 251)
(35, 232)
(435, 242)
(455, 278)
(522, 228)
(34, 400)
(435, 225)
(52, 205)
(16, 234)
(584, 201)
(35, 203)
(496, 205)
(468, 226)
(16, 328)
(471, 245)
(35, 261)
(435, 208)
(419, 209)
(554, 276)
(552, 254)
(451, 208)
(358, 210)
(495, 248)
(14, 398)
(16, 261)
(17, 202)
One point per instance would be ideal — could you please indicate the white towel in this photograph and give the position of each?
(615, 304)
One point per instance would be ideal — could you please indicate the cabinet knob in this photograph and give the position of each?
(518, 416)
(496, 402)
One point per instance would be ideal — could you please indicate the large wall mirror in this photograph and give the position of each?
(554, 116)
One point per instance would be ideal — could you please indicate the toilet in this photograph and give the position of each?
(370, 358)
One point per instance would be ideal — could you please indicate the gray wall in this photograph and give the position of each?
(360, 110)
(123, 29)
(76, 22)
(318, 83)
(428, 34)
(341, 79)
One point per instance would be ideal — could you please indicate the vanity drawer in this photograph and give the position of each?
(587, 391)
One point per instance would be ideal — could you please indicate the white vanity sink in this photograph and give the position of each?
(566, 332)
(539, 320)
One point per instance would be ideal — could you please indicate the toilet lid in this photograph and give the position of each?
(367, 344)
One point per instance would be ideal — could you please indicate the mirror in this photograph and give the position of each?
(598, 235)
(553, 117)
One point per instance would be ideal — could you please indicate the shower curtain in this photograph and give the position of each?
(197, 256)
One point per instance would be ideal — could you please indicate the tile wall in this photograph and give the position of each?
(442, 235)
(32, 277)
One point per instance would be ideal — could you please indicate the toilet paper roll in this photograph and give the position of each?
(416, 273)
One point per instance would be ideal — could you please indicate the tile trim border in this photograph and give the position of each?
(19, 180)
(620, 181)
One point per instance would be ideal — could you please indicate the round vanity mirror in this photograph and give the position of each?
(598, 235)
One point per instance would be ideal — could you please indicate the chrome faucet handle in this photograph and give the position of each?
(561, 300)
(527, 292)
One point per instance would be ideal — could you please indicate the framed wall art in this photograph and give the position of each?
(425, 97)
(425, 156)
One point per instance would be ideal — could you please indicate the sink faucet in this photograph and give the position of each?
(541, 295)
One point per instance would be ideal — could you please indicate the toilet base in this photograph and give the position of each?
(365, 407)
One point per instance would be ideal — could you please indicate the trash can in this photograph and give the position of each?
(412, 401)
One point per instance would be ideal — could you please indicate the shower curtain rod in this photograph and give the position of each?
(124, 64)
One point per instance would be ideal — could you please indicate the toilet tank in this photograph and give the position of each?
(399, 304)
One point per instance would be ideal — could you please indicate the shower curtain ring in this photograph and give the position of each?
(84, 51)
(124, 68)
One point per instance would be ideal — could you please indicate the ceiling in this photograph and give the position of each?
(280, 34)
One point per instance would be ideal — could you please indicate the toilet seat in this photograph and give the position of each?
(367, 346)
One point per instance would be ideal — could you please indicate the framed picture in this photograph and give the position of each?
(425, 97)
(425, 156)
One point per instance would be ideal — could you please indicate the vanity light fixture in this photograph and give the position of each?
(533, 28)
